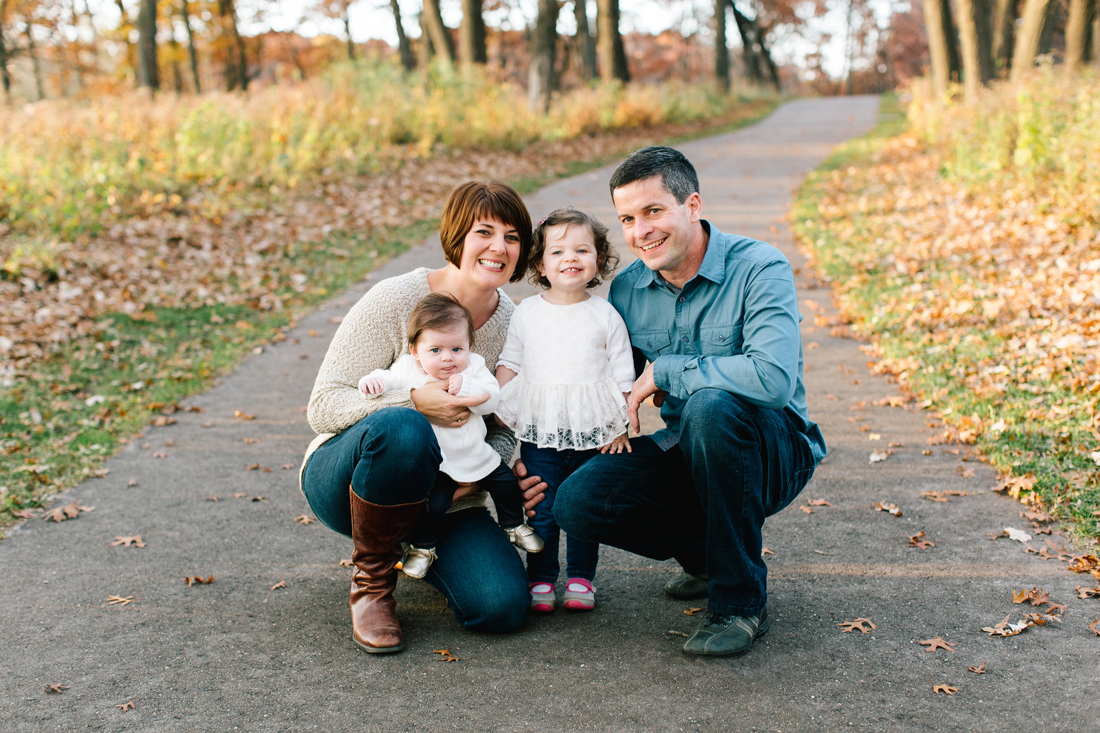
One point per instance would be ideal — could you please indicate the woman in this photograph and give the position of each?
(368, 472)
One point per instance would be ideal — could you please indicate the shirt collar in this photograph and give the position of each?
(714, 261)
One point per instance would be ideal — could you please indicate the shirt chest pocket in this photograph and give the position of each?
(721, 340)
(652, 343)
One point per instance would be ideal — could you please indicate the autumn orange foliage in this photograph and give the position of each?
(967, 249)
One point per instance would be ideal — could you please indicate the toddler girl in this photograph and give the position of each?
(565, 371)
(441, 332)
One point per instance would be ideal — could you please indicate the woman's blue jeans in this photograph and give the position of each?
(703, 501)
(553, 467)
(391, 457)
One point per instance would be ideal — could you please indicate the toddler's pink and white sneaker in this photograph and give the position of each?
(542, 597)
(579, 595)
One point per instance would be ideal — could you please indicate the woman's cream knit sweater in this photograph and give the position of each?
(373, 336)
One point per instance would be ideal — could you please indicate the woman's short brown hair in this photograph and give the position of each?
(439, 312)
(606, 257)
(492, 200)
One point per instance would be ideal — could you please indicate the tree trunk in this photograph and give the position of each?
(721, 50)
(1046, 38)
(975, 36)
(424, 48)
(347, 33)
(609, 42)
(938, 44)
(5, 76)
(1094, 32)
(236, 70)
(544, 42)
(471, 34)
(442, 44)
(1004, 32)
(585, 45)
(1076, 34)
(1027, 41)
(32, 50)
(403, 48)
(191, 55)
(148, 71)
(751, 61)
(177, 75)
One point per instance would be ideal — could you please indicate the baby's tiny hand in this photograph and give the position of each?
(455, 385)
(618, 445)
(372, 386)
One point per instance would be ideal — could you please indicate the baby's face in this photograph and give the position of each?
(442, 353)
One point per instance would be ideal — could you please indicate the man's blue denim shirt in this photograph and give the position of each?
(733, 327)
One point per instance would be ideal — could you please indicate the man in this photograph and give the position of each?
(716, 318)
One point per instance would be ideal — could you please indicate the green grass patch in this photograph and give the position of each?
(1035, 428)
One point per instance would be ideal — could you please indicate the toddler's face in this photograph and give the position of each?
(442, 353)
(569, 261)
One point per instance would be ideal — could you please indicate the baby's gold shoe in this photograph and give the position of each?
(416, 561)
(523, 537)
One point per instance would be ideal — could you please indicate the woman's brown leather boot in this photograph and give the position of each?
(377, 531)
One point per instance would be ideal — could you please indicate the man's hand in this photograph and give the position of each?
(464, 489)
(533, 487)
(643, 387)
(441, 408)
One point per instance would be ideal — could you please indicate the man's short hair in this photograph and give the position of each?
(677, 173)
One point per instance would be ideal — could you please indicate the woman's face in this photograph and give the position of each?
(490, 252)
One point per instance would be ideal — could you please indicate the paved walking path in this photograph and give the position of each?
(237, 655)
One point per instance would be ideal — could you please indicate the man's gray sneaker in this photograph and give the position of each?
(718, 635)
(686, 586)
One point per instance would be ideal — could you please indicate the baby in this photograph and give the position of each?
(441, 332)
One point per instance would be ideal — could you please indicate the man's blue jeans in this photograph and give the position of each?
(391, 457)
(553, 467)
(703, 501)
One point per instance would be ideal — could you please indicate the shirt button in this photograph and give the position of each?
(682, 299)
(648, 343)
(685, 339)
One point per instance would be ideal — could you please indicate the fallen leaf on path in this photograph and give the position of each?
(243, 415)
(1039, 619)
(1017, 534)
(1059, 608)
(942, 496)
(857, 625)
(831, 397)
(212, 498)
(874, 436)
(677, 633)
(287, 466)
(193, 579)
(253, 467)
(346, 563)
(1094, 627)
(944, 688)
(888, 508)
(126, 706)
(99, 473)
(280, 584)
(1037, 596)
(937, 643)
(1006, 629)
(980, 669)
(55, 689)
(919, 542)
(1083, 592)
(252, 441)
(132, 482)
(304, 519)
(120, 601)
(259, 498)
(240, 495)
(819, 502)
(160, 422)
(68, 511)
(1037, 516)
(877, 456)
(1081, 564)
(964, 472)
(24, 513)
(161, 454)
(806, 509)
(134, 541)
(692, 611)
(766, 551)
(926, 452)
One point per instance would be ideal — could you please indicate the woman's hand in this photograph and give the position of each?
(442, 408)
(464, 490)
(533, 487)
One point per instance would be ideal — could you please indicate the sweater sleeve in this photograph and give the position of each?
(370, 337)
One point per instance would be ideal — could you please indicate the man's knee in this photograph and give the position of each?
(714, 414)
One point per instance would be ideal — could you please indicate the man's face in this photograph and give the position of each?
(657, 229)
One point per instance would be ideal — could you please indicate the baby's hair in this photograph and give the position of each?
(606, 258)
(439, 312)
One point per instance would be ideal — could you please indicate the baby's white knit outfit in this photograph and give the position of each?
(573, 364)
(466, 456)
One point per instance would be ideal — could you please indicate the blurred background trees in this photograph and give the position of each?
(81, 48)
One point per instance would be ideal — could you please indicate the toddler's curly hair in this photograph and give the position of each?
(606, 258)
